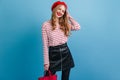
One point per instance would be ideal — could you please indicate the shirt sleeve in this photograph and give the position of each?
(45, 44)
(74, 24)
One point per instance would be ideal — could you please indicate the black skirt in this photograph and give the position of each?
(60, 58)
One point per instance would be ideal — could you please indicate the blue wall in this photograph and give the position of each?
(95, 48)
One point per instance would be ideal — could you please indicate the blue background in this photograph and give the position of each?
(95, 48)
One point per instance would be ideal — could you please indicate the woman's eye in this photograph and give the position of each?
(59, 9)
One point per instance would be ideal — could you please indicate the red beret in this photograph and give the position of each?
(58, 3)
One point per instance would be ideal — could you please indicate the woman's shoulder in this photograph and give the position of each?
(47, 23)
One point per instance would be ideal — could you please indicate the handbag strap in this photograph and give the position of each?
(49, 73)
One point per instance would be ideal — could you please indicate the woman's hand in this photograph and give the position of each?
(46, 67)
(68, 14)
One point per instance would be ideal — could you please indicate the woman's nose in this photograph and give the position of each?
(61, 12)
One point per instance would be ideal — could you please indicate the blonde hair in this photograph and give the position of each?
(63, 21)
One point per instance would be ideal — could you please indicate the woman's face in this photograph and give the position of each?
(60, 11)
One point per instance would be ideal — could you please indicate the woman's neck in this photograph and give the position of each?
(57, 22)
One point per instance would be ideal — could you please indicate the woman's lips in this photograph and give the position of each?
(59, 14)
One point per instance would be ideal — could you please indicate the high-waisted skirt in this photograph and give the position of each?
(60, 58)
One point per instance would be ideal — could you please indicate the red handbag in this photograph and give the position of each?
(49, 77)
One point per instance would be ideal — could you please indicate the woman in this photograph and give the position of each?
(55, 33)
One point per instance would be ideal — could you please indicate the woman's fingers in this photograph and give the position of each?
(46, 67)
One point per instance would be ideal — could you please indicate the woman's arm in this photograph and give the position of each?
(45, 44)
(73, 23)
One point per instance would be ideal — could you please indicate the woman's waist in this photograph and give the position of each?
(59, 45)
